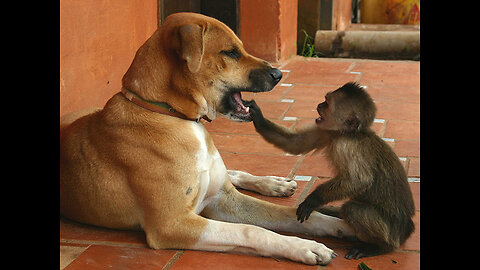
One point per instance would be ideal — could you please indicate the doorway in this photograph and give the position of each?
(225, 11)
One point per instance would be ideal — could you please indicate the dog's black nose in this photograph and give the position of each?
(276, 74)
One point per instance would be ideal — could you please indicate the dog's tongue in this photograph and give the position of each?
(238, 99)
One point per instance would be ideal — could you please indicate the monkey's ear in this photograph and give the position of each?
(352, 123)
(191, 44)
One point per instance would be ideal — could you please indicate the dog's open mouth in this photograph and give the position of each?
(237, 104)
(239, 111)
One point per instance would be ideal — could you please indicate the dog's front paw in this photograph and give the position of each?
(276, 186)
(311, 252)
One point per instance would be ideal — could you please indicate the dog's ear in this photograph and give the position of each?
(191, 45)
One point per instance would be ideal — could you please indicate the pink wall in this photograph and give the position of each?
(98, 40)
(268, 28)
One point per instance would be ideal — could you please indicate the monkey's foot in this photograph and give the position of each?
(364, 250)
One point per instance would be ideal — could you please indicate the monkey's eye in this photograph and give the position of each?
(233, 53)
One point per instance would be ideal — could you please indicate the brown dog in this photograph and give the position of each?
(146, 162)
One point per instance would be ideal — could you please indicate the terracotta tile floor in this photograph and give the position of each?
(395, 87)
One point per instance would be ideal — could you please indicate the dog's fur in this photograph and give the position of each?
(126, 167)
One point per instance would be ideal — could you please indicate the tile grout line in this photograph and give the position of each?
(306, 190)
(287, 91)
(352, 66)
(282, 116)
(76, 257)
(407, 250)
(173, 260)
(101, 243)
(296, 166)
(384, 127)
(407, 166)
(286, 75)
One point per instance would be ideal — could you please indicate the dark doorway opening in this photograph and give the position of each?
(224, 11)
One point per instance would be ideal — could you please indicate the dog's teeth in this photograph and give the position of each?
(247, 109)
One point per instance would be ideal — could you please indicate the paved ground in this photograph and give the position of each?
(395, 87)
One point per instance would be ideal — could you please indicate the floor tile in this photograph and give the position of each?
(403, 130)
(277, 93)
(224, 125)
(403, 67)
(279, 165)
(69, 253)
(394, 94)
(303, 108)
(316, 165)
(309, 92)
(244, 144)
(318, 66)
(391, 261)
(415, 187)
(71, 230)
(378, 128)
(407, 148)
(273, 109)
(327, 79)
(392, 79)
(112, 257)
(414, 167)
(217, 260)
(398, 111)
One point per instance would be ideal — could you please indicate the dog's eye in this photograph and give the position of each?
(232, 53)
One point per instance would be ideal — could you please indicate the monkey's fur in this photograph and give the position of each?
(368, 172)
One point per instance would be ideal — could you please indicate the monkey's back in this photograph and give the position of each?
(369, 159)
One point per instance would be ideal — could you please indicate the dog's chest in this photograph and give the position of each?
(211, 170)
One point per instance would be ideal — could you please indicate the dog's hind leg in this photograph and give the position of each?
(243, 238)
(233, 206)
(191, 231)
(266, 185)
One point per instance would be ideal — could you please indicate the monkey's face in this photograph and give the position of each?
(347, 109)
(321, 108)
(326, 119)
(334, 112)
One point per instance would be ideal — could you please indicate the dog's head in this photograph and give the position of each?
(199, 66)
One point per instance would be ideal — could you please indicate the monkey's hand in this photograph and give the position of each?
(306, 208)
(256, 114)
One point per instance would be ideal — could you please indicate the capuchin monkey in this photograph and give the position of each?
(368, 172)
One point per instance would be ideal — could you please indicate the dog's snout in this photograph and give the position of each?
(263, 80)
(276, 74)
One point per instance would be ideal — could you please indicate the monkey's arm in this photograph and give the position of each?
(337, 188)
(293, 142)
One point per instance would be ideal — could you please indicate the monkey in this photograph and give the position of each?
(367, 170)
